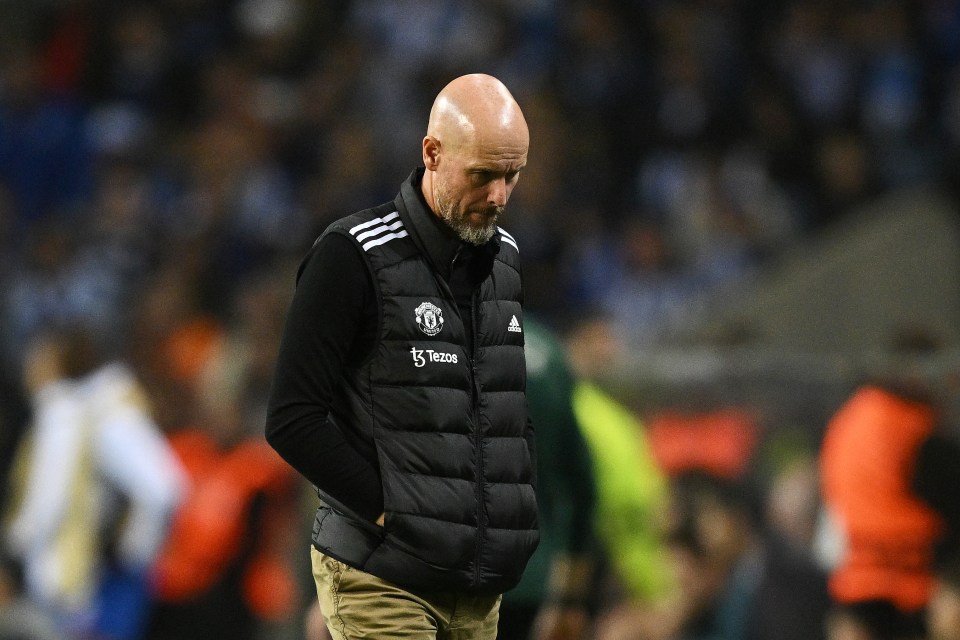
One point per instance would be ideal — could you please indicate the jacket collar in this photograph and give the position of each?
(435, 239)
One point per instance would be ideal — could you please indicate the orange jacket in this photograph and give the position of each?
(209, 529)
(867, 463)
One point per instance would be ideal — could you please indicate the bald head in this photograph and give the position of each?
(476, 107)
(475, 147)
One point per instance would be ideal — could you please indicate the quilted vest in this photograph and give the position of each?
(448, 425)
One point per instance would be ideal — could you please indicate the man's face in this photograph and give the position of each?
(473, 185)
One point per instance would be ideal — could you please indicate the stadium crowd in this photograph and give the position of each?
(165, 165)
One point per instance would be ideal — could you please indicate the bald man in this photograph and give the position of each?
(399, 390)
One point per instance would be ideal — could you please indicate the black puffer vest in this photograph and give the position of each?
(447, 425)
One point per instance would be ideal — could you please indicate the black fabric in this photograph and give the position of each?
(884, 621)
(433, 407)
(792, 599)
(14, 418)
(935, 480)
(516, 621)
(335, 292)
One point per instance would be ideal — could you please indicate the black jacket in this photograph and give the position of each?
(436, 406)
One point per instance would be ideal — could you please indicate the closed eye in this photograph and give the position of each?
(483, 176)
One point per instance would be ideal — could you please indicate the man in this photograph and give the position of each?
(632, 494)
(399, 388)
(889, 471)
(94, 471)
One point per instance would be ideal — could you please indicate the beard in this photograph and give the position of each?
(458, 219)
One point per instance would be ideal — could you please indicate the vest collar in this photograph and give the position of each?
(432, 236)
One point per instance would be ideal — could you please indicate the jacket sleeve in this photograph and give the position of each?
(58, 447)
(324, 330)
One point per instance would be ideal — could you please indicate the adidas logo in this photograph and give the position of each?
(514, 325)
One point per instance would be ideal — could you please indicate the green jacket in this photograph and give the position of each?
(632, 493)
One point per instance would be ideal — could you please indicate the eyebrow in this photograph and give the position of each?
(481, 168)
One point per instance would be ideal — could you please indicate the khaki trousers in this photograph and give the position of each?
(356, 604)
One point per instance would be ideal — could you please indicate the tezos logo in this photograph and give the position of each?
(420, 356)
(429, 318)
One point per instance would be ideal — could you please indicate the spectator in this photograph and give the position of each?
(737, 583)
(227, 565)
(93, 462)
(45, 158)
(886, 468)
(225, 568)
(631, 490)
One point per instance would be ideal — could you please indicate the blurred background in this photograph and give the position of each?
(758, 199)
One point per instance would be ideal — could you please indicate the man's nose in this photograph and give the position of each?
(497, 193)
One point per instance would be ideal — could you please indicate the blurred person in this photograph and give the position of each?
(843, 172)
(41, 288)
(792, 500)
(889, 475)
(314, 627)
(95, 486)
(79, 270)
(737, 583)
(731, 577)
(132, 55)
(225, 568)
(241, 359)
(936, 482)
(399, 388)
(631, 491)
(45, 157)
(650, 290)
(553, 598)
(816, 62)
(172, 341)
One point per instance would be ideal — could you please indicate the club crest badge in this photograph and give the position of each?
(429, 318)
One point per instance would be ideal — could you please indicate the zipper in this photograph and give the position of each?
(475, 410)
(481, 511)
(456, 255)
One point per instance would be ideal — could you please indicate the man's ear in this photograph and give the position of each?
(431, 153)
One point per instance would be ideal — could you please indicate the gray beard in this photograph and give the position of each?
(457, 221)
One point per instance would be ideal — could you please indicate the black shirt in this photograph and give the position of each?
(334, 292)
(332, 324)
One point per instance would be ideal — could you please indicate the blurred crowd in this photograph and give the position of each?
(677, 145)
(165, 165)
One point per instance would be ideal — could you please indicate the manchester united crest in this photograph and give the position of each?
(429, 318)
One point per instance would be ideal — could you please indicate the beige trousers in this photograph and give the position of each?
(356, 604)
